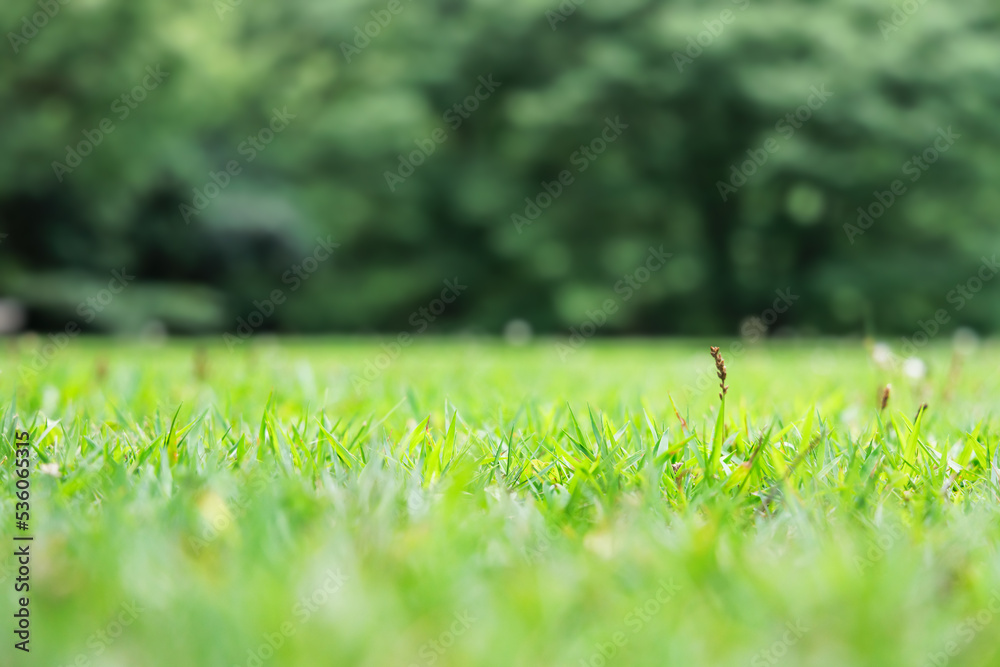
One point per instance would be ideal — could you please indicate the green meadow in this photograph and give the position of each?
(465, 502)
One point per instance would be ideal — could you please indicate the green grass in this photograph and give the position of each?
(481, 505)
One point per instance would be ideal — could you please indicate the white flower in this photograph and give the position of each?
(517, 333)
(914, 368)
(965, 340)
(881, 354)
(50, 469)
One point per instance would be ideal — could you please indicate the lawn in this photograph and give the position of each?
(462, 502)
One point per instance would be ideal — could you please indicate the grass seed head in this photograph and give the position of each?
(720, 370)
(101, 369)
(201, 364)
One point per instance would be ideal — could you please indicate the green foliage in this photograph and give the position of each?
(358, 110)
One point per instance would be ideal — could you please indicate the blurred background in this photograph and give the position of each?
(340, 166)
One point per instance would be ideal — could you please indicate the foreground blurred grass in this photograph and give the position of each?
(478, 504)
